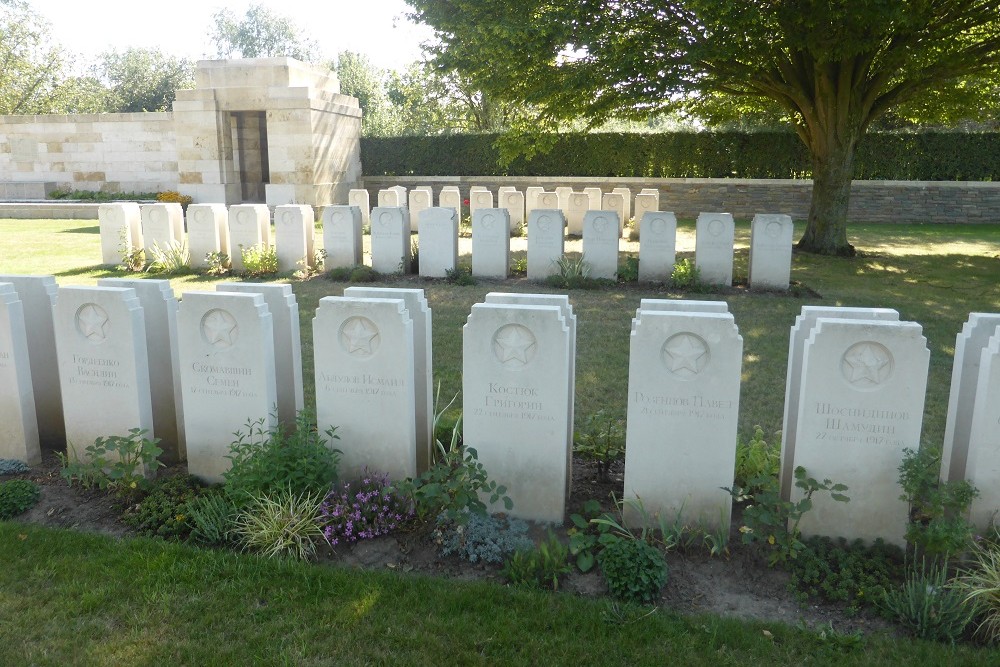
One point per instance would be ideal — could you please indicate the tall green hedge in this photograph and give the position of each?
(924, 156)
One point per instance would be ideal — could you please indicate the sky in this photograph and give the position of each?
(377, 28)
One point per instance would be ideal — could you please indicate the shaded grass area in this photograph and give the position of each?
(70, 598)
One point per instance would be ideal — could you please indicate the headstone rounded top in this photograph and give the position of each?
(384, 218)
(243, 217)
(287, 217)
(219, 328)
(201, 216)
(514, 346)
(92, 323)
(685, 355)
(359, 336)
(158, 215)
(715, 227)
(773, 229)
(867, 365)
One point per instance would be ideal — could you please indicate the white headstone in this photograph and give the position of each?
(451, 197)
(226, 346)
(421, 199)
(513, 201)
(645, 202)
(438, 242)
(506, 188)
(162, 225)
(714, 240)
(562, 193)
(423, 361)
(546, 242)
(365, 384)
(389, 197)
(249, 226)
(490, 242)
(861, 404)
(657, 245)
(294, 236)
(616, 201)
(681, 306)
(683, 409)
(159, 312)
(983, 458)
(626, 195)
(400, 194)
(531, 198)
(38, 296)
(771, 251)
(358, 198)
(284, 310)
(804, 325)
(577, 206)
(208, 231)
(479, 199)
(103, 365)
(515, 393)
(969, 346)
(342, 236)
(596, 198)
(121, 225)
(600, 243)
(18, 421)
(390, 239)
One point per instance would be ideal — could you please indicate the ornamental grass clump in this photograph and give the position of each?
(362, 510)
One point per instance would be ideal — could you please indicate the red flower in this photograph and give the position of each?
(465, 201)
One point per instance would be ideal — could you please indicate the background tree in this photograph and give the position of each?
(832, 67)
(143, 79)
(32, 68)
(260, 33)
(360, 79)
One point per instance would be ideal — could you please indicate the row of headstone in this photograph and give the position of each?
(211, 228)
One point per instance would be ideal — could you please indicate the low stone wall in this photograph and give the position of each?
(48, 211)
(871, 201)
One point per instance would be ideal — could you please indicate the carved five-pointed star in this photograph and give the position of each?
(359, 336)
(92, 321)
(685, 351)
(866, 363)
(218, 327)
(515, 343)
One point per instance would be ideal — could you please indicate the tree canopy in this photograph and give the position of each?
(143, 79)
(830, 67)
(260, 33)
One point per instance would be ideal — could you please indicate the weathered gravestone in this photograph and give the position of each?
(531, 198)
(546, 242)
(249, 227)
(983, 458)
(359, 199)
(479, 199)
(515, 393)
(771, 251)
(616, 201)
(284, 310)
(683, 409)
(861, 404)
(208, 232)
(18, 421)
(513, 201)
(226, 347)
(423, 364)
(600, 243)
(121, 230)
(390, 239)
(294, 236)
(596, 198)
(365, 384)
(438, 242)
(451, 197)
(626, 196)
(103, 365)
(576, 207)
(657, 245)
(38, 296)
(645, 202)
(342, 236)
(162, 226)
(969, 346)
(421, 199)
(389, 198)
(800, 332)
(159, 312)
(490, 242)
(713, 255)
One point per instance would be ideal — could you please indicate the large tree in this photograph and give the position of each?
(143, 79)
(32, 68)
(832, 66)
(261, 33)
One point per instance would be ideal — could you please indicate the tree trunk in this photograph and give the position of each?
(826, 228)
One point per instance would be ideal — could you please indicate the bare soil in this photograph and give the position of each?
(737, 585)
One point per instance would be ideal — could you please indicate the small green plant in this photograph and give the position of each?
(163, 512)
(212, 518)
(460, 275)
(601, 440)
(414, 258)
(259, 261)
(937, 526)
(980, 583)
(585, 536)
(265, 461)
(360, 273)
(172, 259)
(281, 524)
(133, 258)
(755, 460)
(17, 496)
(217, 263)
(628, 270)
(482, 537)
(117, 463)
(928, 605)
(12, 467)
(767, 517)
(519, 266)
(312, 266)
(686, 275)
(634, 570)
(361, 510)
(852, 574)
(540, 567)
(571, 273)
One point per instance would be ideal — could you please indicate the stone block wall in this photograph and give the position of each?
(121, 152)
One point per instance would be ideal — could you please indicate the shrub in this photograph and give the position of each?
(540, 567)
(133, 258)
(259, 261)
(937, 525)
(755, 460)
(602, 440)
(171, 196)
(481, 537)
(12, 467)
(571, 273)
(686, 275)
(212, 517)
(460, 275)
(354, 274)
(281, 524)
(175, 258)
(117, 463)
(266, 461)
(854, 574)
(634, 570)
(218, 263)
(981, 585)
(362, 510)
(628, 270)
(17, 496)
(163, 512)
(928, 605)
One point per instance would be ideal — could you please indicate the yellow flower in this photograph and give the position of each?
(770, 539)
(132, 485)
(746, 529)
(179, 517)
